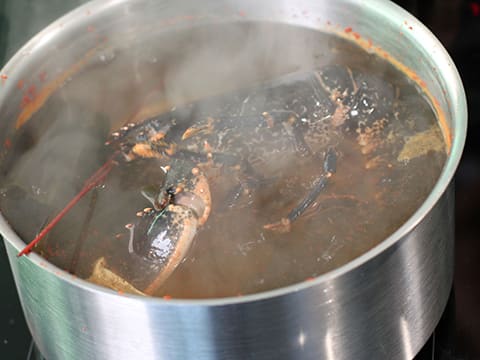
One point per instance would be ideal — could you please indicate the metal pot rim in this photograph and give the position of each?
(455, 91)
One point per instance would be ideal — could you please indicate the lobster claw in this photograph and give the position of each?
(163, 236)
(161, 239)
(158, 242)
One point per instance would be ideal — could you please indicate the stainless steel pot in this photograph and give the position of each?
(384, 304)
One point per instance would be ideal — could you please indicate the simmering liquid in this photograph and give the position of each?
(273, 111)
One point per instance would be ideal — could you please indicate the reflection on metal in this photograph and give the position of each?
(142, 337)
(406, 339)
(330, 354)
(301, 339)
(371, 293)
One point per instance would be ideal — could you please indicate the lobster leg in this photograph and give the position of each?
(329, 168)
(301, 146)
(290, 121)
(248, 186)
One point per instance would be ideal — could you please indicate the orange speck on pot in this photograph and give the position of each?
(32, 90)
(25, 101)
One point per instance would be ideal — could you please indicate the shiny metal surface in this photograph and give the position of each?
(384, 304)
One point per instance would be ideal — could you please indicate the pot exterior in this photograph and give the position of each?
(384, 304)
(385, 308)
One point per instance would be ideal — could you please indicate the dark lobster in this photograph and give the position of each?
(296, 117)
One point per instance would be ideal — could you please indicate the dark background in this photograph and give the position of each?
(457, 24)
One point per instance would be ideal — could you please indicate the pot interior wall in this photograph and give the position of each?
(94, 38)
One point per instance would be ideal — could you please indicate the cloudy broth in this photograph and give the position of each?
(302, 108)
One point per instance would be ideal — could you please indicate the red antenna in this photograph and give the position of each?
(93, 181)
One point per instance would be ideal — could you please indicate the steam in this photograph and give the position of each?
(120, 81)
(242, 56)
(131, 79)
